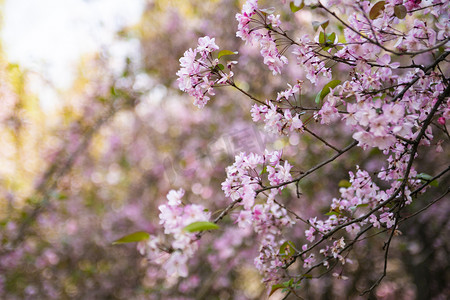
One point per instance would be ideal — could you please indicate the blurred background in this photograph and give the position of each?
(94, 133)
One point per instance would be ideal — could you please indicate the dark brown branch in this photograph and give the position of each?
(247, 94)
(321, 139)
(427, 206)
(226, 210)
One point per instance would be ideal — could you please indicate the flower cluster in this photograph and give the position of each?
(268, 221)
(177, 245)
(269, 51)
(200, 71)
(276, 121)
(310, 61)
(359, 195)
(244, 178)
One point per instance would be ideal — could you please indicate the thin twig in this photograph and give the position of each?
(386, 255)
(313, 169)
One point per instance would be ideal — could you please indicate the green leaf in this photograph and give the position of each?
(434, 183)
(332, 213)
(288, 283)
(362, 205)
(317, 100)
(264, 171)
(132, 238)
(287, 249)
(295, 8)
(400, 11)
(376, 10)
(200, 226)
(330, 85)
(326, 89)
(331, 38)
(226, 52)
(424, 176)
(323, 24)
(322, 37)
(220, 66)
(275, 287)
(344, 183)
(112, 90)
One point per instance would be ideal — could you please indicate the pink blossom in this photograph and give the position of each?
(174, 197)
(373, 219)
(206, 45)
(388, 219)
(176, 265)
(328, 113)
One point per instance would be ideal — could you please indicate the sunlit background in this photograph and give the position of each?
(49, 37)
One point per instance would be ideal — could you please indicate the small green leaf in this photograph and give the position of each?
(322, 37)
(317, 100)
(200, 226)
(295, 8)
(274, 288)
(326, 90)
(376, 10)
(344, 183)
(434, 183)
(332, 213)
(323, 24)
(287, 249)
(362, 205)
(264, 171)
(400, 11)
(331, 38)
(220, 66)
(330, 85)
(226, 52)
(315, 25)
(288, 283)
(424, 176)
(112, 90)
(132, 238)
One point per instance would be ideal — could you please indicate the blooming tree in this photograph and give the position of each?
(312, 164)
(379, 71)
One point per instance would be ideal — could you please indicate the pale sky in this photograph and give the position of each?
(48, 36)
